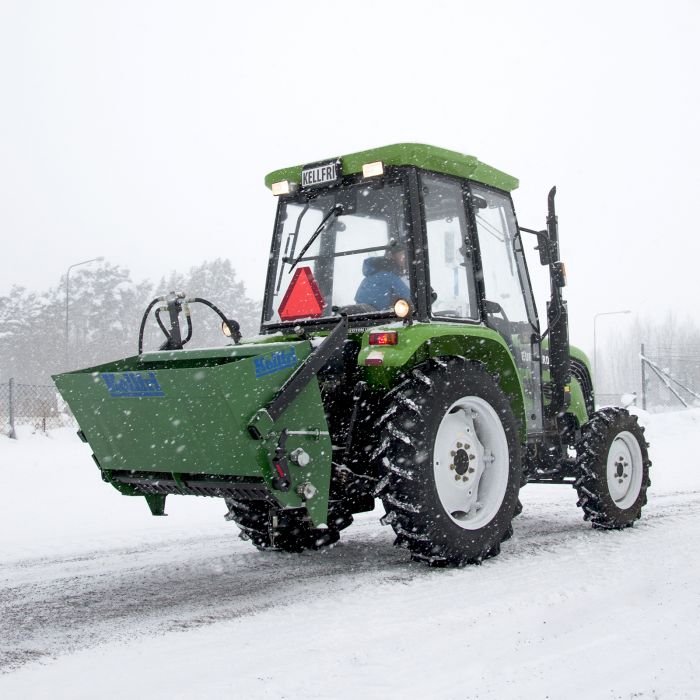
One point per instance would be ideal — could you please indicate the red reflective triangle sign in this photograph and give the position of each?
(303, 298)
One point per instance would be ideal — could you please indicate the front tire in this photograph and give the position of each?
(613, 469)
(450, 463)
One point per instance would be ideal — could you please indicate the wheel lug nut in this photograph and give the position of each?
(471, 470)
(625, 475)
(620, 480)
(472, 457)
(465, 478)
(457, 477)
(452, 466)
(453, 453)
(459, 444)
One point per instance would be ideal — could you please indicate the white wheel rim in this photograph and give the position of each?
(624, 469)
(471, 462)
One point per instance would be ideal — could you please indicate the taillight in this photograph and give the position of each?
(384, 338)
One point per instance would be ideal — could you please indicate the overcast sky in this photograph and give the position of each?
(142, 131)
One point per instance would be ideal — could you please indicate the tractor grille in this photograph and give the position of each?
(194, 485)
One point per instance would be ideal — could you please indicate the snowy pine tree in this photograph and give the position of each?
(104, 308)
(217, 282)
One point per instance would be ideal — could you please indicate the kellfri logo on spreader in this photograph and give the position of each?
(275, 362)
(132, 384)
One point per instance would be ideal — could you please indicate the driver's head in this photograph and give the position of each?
(396, 259)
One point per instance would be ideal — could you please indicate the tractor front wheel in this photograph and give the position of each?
(613, 469)
(450, 463)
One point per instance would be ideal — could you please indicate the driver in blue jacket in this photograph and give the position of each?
(385, 280)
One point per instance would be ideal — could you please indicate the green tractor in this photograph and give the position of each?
(400, 357)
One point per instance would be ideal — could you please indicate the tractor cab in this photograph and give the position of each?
(379, 239)
(370, 238)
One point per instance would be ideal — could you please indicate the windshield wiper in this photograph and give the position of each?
(336, 210)
(293, 237)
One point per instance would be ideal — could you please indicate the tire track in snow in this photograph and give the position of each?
(118, 595)
(55, 606)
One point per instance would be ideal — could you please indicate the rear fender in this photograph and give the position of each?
(420, 342)
(577, 405)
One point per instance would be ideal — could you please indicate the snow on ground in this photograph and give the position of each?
(97, 598)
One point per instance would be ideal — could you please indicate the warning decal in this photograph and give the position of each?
(303, 298)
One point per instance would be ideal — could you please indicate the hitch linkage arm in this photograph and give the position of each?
(263, 421)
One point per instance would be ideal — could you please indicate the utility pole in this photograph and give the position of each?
(70, 267)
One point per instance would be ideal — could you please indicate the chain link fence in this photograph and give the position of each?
(671, 377)
(653, 376)
(620, 398)
(34, 405)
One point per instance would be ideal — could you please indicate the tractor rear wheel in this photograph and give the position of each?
(292, 535)
(612, 464)
(450, 463)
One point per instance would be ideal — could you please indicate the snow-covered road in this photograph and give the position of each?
(97, 597)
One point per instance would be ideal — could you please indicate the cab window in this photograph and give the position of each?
(355, 263)
(502, 264)
(452, 287)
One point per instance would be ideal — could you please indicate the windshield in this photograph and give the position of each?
(356, 263)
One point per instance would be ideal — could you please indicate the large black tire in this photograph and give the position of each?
(612, 464)
(415, 479)
(292, 534)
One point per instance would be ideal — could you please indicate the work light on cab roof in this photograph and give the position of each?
(400, 356)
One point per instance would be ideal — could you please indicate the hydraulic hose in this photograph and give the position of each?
(157, 300)
(233, 326)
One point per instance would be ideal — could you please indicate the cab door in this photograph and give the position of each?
(447, 238)
(507, 301)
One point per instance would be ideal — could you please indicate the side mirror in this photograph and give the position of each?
(544, 248)
(492, 307)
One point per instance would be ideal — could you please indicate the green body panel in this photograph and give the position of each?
(578, 402)
(421, 341)
(427, 157)
(581, 356)
(577, 406)
(418, 342)
(199, 423)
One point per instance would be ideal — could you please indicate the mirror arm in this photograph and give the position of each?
(545, 245)
(530, 230)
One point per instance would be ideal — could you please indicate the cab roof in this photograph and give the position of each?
(421, 155)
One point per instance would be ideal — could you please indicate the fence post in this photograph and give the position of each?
(11, 399)
(644, 379)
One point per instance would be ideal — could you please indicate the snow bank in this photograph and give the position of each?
(53, 501)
